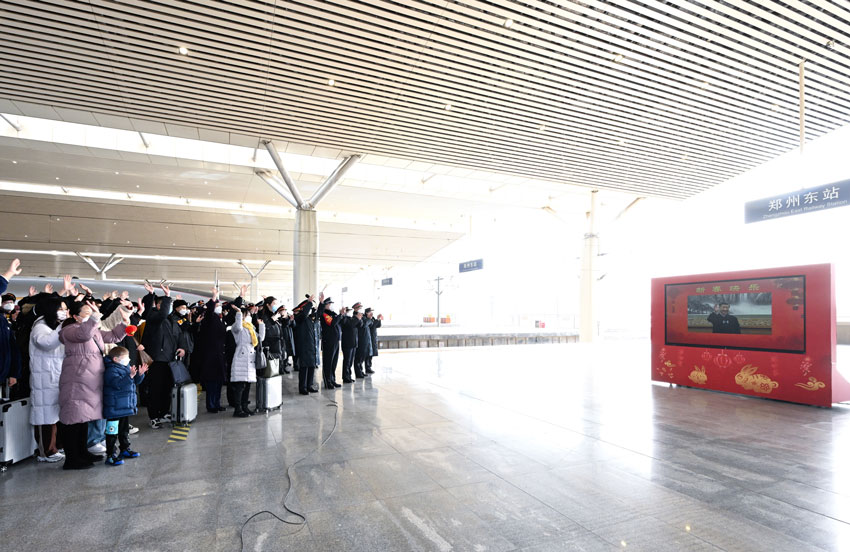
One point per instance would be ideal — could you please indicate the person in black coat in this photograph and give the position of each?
(163, 341)
(364, 346)
(331, 334)
(349, 326)
(373, 335)
(307, 338)
(210, 356)
(287, 327)
(273, 341)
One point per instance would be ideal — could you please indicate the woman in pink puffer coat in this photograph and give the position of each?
(81, 382)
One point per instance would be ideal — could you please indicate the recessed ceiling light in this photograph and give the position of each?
(128, 241)
(621, 142)
(508, 23)
(618, 58)
(704, 85)
(542, 128)
(448, 107)
(57, 178)
(331, 82)
(137, 185)
(26, 236)
(116, 172)
(14, 162)
(775, 107)
(184, 51)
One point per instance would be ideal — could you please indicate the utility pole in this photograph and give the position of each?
(438, 292)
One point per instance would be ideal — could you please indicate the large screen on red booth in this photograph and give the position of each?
(764, 314)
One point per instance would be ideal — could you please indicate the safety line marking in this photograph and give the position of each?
(179, 433)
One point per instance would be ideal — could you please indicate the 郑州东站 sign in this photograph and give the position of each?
(813, 199)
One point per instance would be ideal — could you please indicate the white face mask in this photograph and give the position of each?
(61, 315)
(8, 307)
(217, 309)
(123, 361)
(84, 319)
(247, 319)
(182, 312)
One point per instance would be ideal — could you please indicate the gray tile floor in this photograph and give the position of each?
(533, 447)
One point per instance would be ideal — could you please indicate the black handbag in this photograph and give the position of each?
(179, 371)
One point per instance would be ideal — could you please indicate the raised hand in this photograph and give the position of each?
(48, 288)
(13, 270)
(33, 291)
(148, 286)
(132, 371)
(321, 296)
(105, 296)
(143, 368)
(178, 297)
(85, 288)
(215, 293)
(125, 295)
(93, 307)
(68, 282)
(165, 289)
(243, 290)
(380, 317)
(113, 295)
(141, 307)
(125, 315)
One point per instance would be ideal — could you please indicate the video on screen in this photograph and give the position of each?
(731, 313)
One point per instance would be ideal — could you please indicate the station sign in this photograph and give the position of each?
(387, 282)
(469, 266)
(345, 290)
(818, 198)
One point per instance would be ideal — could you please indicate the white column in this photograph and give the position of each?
(587, 324)
(306, 255)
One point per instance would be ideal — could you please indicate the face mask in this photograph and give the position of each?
(183, 312)
(247, 319)
(8, 307)
(123, 361)
(274, 306)
(84, 319)
(61, 315)
(217, 309)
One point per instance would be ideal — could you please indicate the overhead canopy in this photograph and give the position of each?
(652, 98)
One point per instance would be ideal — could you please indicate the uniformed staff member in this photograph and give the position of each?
(350, 326)
(307, 341)
(331, 334)
(373, 334)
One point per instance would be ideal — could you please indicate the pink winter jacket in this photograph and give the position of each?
(81, 381)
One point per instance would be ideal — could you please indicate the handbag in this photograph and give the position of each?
(179, 371)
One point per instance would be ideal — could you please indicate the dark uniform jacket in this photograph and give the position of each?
(373, 331)
(331, 330)
(364, 337)
(308, 335)
(725, 324)
(10, 354)
(350, 327)
(274, 335)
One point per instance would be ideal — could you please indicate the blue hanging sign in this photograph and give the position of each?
(387, 282)
(800, 202)
(469, 266)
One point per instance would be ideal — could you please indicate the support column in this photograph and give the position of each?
(254, 293)
(305, 268)
(587, 311)
(107, 266)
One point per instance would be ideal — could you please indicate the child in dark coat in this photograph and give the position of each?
(119, 402)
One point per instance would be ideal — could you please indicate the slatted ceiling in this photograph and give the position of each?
(260, 69)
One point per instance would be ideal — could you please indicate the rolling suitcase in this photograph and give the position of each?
(269, 393)
(17, 441)
(184, 403)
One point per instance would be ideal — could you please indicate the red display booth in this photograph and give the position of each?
(767, 333)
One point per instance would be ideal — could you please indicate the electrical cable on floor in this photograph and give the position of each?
(303, 520)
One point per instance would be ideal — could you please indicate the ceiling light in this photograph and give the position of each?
(331, 82)
(618, 58)
(704, 85)
(508, 23)
(621, 142)
(137, 185)
(184, 51)
(57, 178)
(775, 107)
(14, 162)
(116, 172)
(542, 128)
(448, 107)
(831, 45)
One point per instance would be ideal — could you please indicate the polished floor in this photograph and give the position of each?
(530, 447)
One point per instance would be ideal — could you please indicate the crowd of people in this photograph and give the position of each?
(87, 362)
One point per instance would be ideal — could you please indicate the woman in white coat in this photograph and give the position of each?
(46, 356)
(243, 372)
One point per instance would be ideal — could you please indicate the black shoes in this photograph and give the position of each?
(337, 385)
(222, 408)
(213, 410)
(240, 414)
(304, 392)
(67, 466)
(370, 371)
(347, 381)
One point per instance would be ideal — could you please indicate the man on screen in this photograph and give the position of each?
(723, 322)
